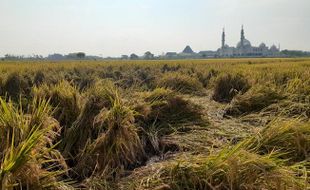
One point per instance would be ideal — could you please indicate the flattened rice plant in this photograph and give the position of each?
(229, 169)
(226, 87)
(254, 100)
(64, 97)
(85, 129)
(28, 159)
(116, 150)
(167, 109)
(181, 83)
(291, 137)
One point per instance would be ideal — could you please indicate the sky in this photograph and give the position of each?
(117, 27)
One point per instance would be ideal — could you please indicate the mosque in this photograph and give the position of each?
(245, 49)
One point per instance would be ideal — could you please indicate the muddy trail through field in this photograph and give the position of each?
(192, 141)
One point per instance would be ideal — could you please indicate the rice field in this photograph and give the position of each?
(163, 125)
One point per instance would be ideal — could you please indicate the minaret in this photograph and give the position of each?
(242, 37)
(223, 38)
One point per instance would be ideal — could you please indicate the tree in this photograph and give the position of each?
(134, 56)
(148, 55)
(81, 55)
(124, 57)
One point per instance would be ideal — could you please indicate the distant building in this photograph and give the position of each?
(187, 53)
(244, 48)
(188, 50)
(171, 54)
(207, 54)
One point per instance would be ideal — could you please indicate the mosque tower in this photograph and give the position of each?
(242, 37)
(223, 38)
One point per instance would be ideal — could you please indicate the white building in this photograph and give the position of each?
(244, 48)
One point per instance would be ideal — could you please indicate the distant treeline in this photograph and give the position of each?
(55, 56)
(147, 56)
(295, 53)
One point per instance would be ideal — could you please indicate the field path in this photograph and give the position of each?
(214, 111)
(217, 134)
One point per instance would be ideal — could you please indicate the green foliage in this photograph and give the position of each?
(292, 53)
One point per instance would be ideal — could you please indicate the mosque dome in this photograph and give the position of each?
(262, 45)
(273, 48)
(246, 43)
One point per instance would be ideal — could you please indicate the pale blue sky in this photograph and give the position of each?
(115, 27)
